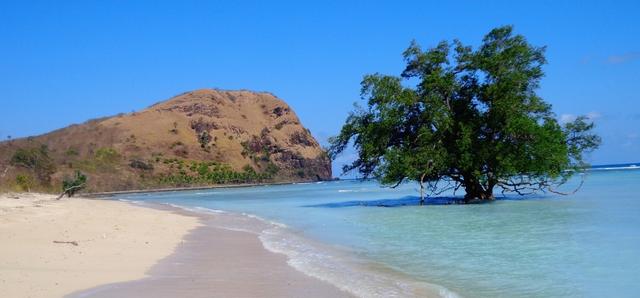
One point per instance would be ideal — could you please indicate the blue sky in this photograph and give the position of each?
(63, 62)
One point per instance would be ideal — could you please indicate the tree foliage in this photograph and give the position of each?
(106, 157)
(459, 117)
(71, 186)
(188, 173)
(37, 160)
(25, 182)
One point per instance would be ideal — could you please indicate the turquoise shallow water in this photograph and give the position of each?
(583, 245)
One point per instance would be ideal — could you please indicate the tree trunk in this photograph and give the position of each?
(475, 193)
(70, 191)
(422, 189)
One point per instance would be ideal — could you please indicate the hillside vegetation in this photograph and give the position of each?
(202, 137)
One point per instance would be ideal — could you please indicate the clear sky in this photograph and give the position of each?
(63, 62)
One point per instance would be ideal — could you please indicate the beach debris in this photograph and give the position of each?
(74, 243)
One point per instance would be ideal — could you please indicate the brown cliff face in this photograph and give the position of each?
(241, 131)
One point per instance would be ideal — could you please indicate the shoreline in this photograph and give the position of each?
(188, 188)
(221, 260)
(229, 253)
(336, 267)
(84, 247)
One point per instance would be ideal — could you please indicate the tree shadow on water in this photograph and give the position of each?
(404, 201)
(414, 201)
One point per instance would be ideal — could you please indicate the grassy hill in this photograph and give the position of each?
(197, 138)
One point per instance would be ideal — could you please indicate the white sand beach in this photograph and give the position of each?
(115, 241)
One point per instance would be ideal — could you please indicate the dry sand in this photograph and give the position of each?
(116, 242)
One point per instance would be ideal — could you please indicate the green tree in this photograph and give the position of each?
(466, 118)
(37, 160)
(72, 185)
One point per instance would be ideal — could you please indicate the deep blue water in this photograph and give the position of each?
(583, 245)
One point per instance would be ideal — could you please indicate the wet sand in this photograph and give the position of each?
(219, 262)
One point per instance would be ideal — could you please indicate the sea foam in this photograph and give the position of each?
(343, 268)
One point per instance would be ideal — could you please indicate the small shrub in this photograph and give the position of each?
(107, 156)
(204, 138)
(140, 164)
(182, 152)
(248, 169)
(272, 169)
(71, 186)
(174, 130)
(25, 182)
(71, 152)
(175, 144)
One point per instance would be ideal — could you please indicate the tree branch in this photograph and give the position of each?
(4, 173)
(70, 189)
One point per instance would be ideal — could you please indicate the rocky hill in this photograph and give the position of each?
(197, 138)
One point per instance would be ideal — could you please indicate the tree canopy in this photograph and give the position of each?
(72, 185)
(459, 117)
(37, 160)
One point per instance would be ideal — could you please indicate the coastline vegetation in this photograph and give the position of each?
(188, 173)
(34, 169)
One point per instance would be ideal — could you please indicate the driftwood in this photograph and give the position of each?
(74, 243)
(69, 189)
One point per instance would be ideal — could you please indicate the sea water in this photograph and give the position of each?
(376, 241)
